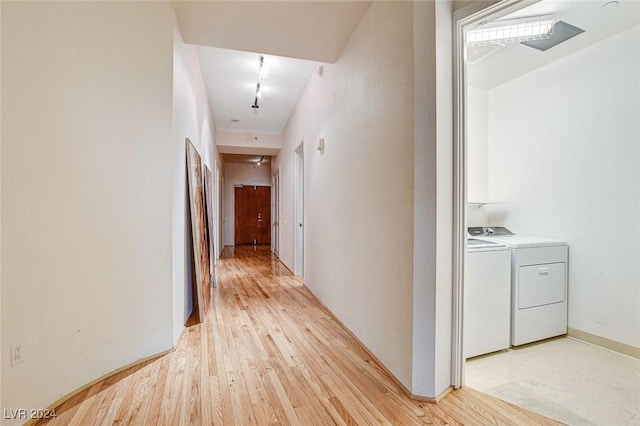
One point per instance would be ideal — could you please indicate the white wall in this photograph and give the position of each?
(477, 155)
(432, 188)
(2, 352)
(236, 174)
(477, 149)
(86, 240)
(443, 288)
(359, 194)
(564, 156)
(192, 119)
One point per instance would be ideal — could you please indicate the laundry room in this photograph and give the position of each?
(553, 152)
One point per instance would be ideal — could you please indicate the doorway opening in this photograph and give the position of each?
(529, 180)
(299, 211)
(464, 19)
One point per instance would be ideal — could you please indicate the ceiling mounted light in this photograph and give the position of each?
(511, 31)
(255, 105)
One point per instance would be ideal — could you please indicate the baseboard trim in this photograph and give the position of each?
(99, 379)
(291, 272)
(432, 400)
(612, 345)
(375, 358)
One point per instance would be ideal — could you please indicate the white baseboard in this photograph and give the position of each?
(613, 345)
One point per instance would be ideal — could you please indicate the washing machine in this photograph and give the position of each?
(487, 297)
(539, 271)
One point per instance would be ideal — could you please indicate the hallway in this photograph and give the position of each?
(269, 353)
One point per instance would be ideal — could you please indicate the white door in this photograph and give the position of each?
(298, 268)
(218, 211)
(221, 220)
(275, 214)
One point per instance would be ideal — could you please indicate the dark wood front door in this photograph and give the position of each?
(252, 215)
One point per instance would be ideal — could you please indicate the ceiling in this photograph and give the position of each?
(230, 77)
(490, 66)
(314, 30)
(293, 36)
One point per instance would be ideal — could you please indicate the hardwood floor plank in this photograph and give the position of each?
(269, 353)
(351, 410)
(99, 405)
(169, 413)
(143, 396)
(192, 389)
(133, 395)
(154, 395)
(81, 410)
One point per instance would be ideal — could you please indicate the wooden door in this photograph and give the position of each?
(245, 215)
(252, 215)
(263, 207)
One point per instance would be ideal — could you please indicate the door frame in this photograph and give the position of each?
(463, 19)
(298, 223)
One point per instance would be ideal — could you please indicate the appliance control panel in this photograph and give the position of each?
(480, 231)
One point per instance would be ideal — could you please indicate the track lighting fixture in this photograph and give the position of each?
(255, 105)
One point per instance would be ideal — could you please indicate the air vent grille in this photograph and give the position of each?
(561, 33)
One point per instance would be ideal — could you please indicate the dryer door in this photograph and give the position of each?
(540, 285)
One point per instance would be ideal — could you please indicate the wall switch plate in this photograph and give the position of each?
(16, 354)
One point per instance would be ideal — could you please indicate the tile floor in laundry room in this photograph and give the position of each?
(568, 380)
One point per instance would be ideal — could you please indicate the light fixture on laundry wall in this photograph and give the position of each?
(511, 31)
(255, 105)
(259, 163)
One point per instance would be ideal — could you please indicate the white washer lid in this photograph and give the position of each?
(522, 241)
(477, 244)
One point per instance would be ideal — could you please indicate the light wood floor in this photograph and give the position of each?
(268, 353)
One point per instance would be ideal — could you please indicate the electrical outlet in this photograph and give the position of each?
(17, 356)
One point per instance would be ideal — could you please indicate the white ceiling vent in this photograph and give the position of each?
(561, 33)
